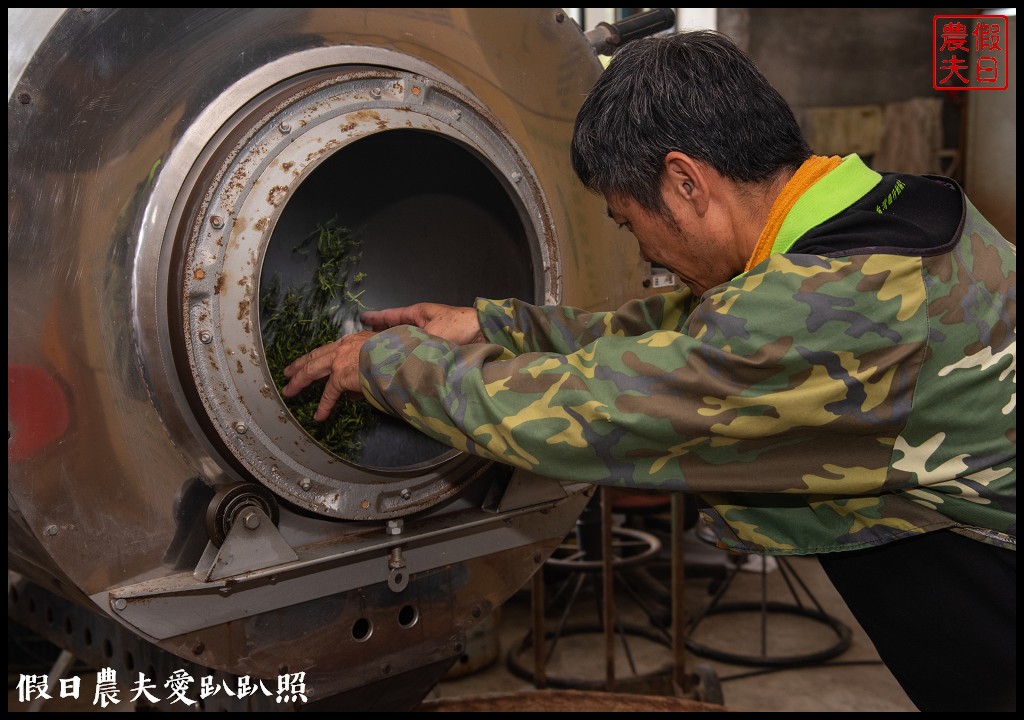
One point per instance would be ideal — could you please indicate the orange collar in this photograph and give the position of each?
(814, 169)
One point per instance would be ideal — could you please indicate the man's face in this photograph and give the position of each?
(677, 240)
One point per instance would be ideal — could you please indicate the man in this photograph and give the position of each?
(838, 379)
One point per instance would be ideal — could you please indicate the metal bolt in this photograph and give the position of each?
(375, 92)
(559, 17)
(24, 98)
(405, 493)
(198, 648)
(537, 559)
(251, 520)
(284, 128)
(51, 530)
(305, 483)
(394, 527)
(205, 337)
(240, 428)
(217, 222)
(120, 604)
(516, 177)
(396, 561)
(456, 113)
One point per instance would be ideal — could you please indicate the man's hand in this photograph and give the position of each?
(457, 325)
(338, 361)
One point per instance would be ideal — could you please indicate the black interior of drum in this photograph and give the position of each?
(437, 226)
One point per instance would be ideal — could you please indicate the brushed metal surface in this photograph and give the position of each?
(121, 123)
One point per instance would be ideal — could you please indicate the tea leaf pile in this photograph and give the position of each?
(312, 314)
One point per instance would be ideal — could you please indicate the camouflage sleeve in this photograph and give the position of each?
(743, 397)
(521, 327)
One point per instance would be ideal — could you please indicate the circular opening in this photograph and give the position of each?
(408, 616)
(361, 630)
(409, 216)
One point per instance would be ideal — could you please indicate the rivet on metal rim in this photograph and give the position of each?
(375, 92)
(456, 113)
(240, 428)
(217, 222)
(284, 128)
(516, 177)
(51, 530)
(120, 604)
(205, 337)
(405, 493)
(305, 483)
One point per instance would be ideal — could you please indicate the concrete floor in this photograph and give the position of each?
(852, 681)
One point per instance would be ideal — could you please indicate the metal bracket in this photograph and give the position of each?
(253, 543)
(525, 489)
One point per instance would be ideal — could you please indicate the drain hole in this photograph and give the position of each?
(362, 629)
(408, 616)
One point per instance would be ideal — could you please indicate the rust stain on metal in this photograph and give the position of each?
(365, 504)
(367, 116)
(199, 274)
(247, 326)
(324, 150)
(287, 166)
(221, 281)
(238, 367)
(347, 127)
(243, 308)
(262, 223)
(415, 90)
(265, 391)
(239, 223)
(277, 194)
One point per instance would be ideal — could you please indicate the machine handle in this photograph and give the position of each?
(606, 37)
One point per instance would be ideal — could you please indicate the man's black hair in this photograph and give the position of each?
(695, 92)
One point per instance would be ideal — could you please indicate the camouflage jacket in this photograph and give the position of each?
(828, 399)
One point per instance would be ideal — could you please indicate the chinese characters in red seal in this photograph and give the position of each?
(970, 52)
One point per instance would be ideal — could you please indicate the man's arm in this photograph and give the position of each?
(716, 410)
(522, 327)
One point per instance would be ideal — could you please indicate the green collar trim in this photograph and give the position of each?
(828, 197)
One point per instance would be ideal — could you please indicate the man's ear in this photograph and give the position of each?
(686, 181)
